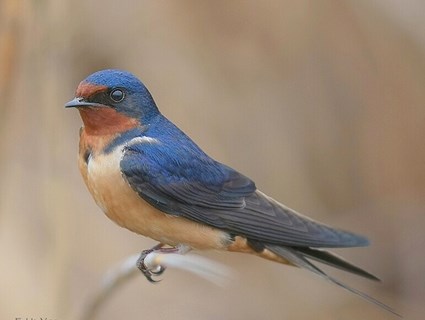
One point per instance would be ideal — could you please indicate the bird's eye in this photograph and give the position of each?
(117, 95)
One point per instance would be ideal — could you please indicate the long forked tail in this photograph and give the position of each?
(298, 257)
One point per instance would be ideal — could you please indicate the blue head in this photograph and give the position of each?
(118, 90)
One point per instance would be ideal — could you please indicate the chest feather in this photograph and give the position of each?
(111, 192)
(102, 175)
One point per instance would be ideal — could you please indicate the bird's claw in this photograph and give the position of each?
(148, 273)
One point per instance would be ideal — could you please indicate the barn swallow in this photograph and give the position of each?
(151, 178)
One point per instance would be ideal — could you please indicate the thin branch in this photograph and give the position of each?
(209, 270)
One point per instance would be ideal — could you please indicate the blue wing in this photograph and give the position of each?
(178, 178)
(171, 179)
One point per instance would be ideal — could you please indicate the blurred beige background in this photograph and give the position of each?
(321, 102)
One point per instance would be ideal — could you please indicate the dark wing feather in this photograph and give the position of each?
(186, 182)
(264, 219)
(175, 179)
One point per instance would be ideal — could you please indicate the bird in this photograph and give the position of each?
(148, 176)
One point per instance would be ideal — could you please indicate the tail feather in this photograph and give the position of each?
(298, 259)
(336, 261)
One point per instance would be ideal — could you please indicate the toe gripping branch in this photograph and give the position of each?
(148, 273)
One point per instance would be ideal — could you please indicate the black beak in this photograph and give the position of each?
(80, 102)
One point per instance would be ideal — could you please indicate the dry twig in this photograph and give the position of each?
(202, 267)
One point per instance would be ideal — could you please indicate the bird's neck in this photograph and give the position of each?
(106, 121)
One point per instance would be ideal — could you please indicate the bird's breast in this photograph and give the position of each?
(112, 193)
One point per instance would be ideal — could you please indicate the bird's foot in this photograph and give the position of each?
(148, 273)
(151, 273)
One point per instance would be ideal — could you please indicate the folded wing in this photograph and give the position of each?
(186, 182)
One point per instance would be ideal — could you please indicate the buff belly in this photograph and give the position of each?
(125, 207)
